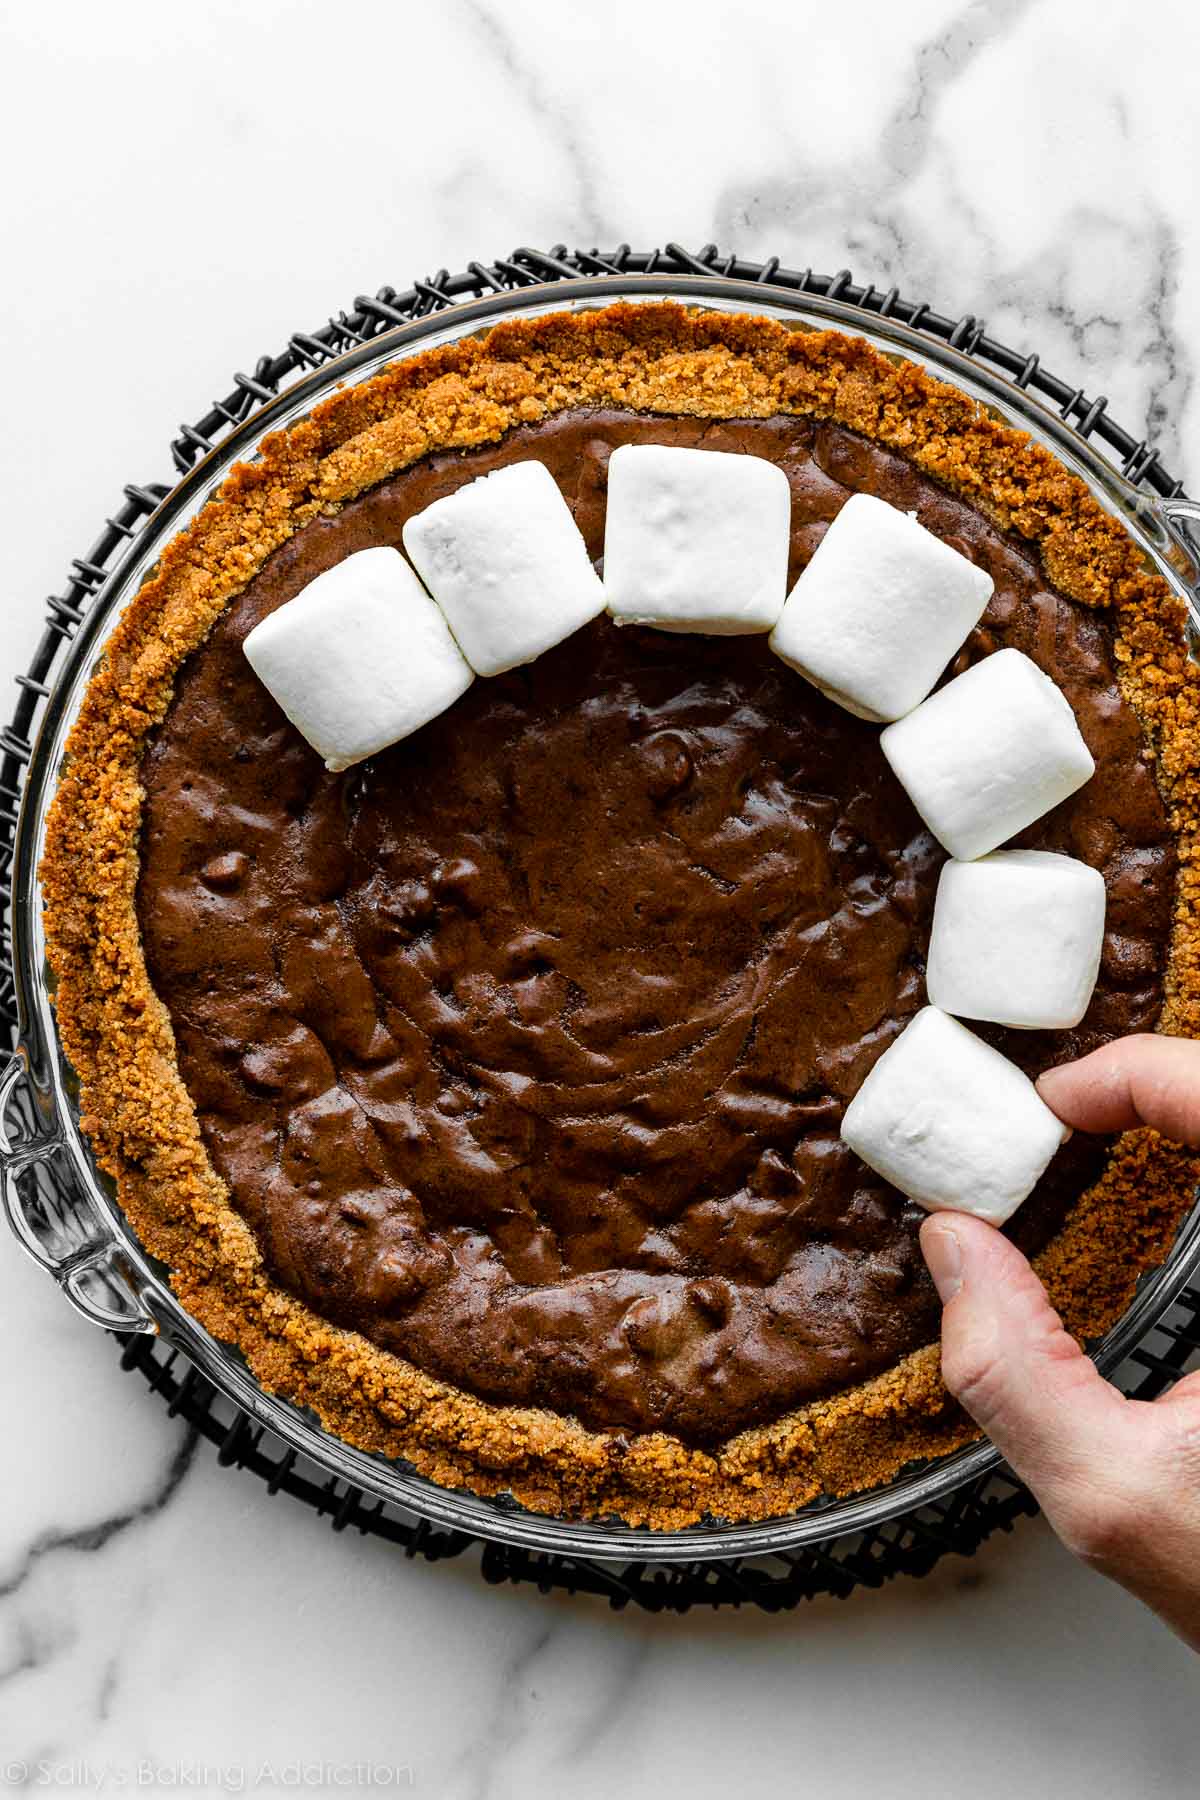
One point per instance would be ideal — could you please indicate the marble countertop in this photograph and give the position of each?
(185, 187)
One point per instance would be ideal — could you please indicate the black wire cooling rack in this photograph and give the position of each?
(908, 1545)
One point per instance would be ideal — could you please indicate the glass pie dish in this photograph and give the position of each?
(64, 1210)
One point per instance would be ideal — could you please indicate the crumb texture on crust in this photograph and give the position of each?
(136, 1110)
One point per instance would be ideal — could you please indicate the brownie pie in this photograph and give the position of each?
(486, 1095)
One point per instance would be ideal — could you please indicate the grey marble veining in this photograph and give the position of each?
(192, 188)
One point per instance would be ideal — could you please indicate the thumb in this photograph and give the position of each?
(1021, 1376)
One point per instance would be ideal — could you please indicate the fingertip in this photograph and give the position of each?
(1056, 1083)
(942, 1250)
(961, 1249)
(1146, 1079)
(1091, 1094)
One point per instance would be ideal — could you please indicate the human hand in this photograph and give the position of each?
(1118, 1479)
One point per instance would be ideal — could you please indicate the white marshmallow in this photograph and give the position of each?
(989, 753)
(506, 563)
(1017, 938)
(695, 540)
(359, 658)
(881, 608)
(951, 1122)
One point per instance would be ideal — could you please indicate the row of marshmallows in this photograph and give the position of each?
(695, 540)
(698, 540)
(1017, 934)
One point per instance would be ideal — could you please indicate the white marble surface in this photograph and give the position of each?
(184, 186)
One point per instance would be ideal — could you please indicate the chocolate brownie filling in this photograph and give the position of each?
(523, 1046)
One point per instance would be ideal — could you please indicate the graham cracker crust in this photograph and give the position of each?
(138, 1114)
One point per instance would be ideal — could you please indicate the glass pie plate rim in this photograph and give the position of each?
(98, 1261)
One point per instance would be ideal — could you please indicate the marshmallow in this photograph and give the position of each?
(951, 1122)
(360, 658)
(1017, 939)
(695, 540)
(881, 608)
(989, 753)
(506, 563)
